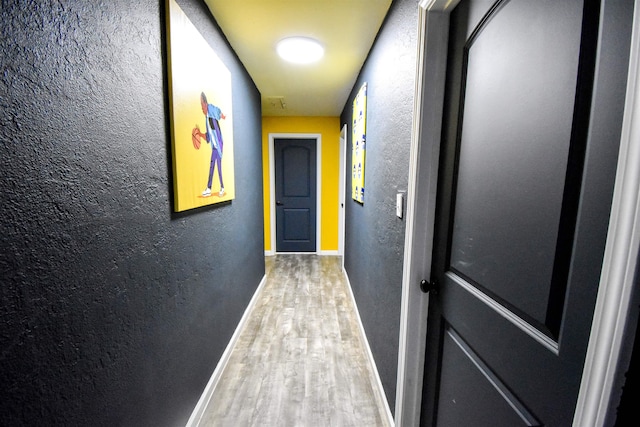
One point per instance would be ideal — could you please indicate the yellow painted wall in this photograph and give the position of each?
(329, 129)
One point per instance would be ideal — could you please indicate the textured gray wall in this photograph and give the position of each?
(374, 238)
(114, 311)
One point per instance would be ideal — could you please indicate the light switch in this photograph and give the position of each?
(399, 204)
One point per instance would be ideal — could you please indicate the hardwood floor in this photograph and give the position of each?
(300, 359)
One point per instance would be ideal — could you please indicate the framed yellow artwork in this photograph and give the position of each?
(358, 144)
(201, 119)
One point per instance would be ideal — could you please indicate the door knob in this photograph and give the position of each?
(279, 203)
(427, 287)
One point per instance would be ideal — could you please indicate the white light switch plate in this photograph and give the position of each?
(399, 204)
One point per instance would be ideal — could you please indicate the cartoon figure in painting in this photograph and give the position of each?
(213, 136)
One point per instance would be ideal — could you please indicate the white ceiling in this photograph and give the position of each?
(346, 29)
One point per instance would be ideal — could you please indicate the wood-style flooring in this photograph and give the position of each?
(300, 358)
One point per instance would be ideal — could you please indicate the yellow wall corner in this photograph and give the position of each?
(329, 129)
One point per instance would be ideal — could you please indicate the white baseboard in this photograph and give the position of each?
(385, 400)
(201, 406)
(329, 253)
(321, 253)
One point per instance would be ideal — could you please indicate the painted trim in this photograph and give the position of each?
(272, 194)
(438, 5)
(320, 253)
(342, 188)
(433, 34)
(328, 253)
(620, 259)
(203, 402)
(272, 185)
(365, 341)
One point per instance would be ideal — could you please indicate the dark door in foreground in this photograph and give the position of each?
(528, 158)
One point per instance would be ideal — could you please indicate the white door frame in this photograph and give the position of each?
(342, 188)
(620, 253)
(620, 258)
(272, 184)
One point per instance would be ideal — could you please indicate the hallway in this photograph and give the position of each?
(300, 359)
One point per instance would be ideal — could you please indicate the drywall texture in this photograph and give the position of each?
(115, 311)
(374, 237)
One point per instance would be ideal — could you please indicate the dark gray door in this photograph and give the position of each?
(295, 180)
(531, 128)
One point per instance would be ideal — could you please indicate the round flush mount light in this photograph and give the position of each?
(300, 50)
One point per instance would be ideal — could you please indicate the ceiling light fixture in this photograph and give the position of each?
(300, 50)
